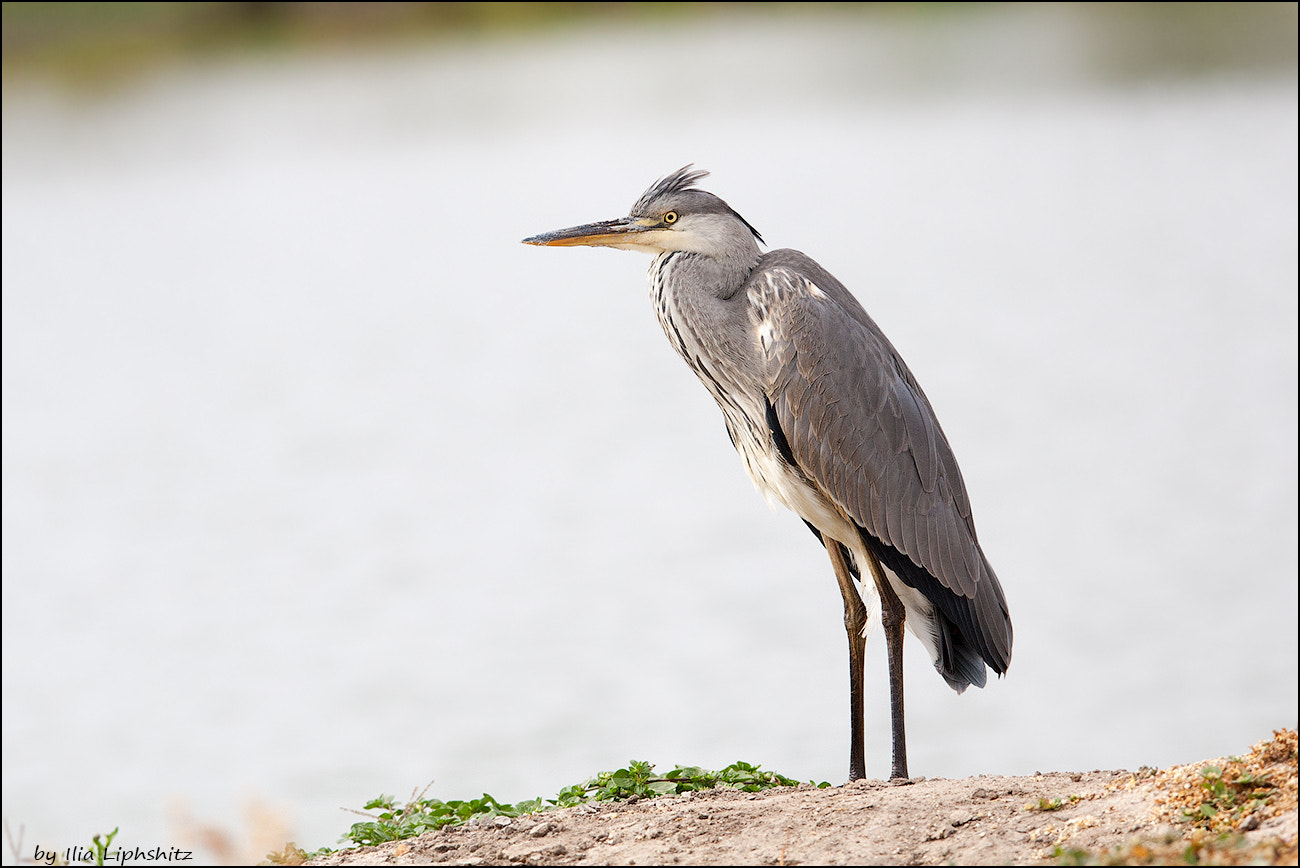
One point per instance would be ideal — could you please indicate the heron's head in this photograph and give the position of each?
(671, 215)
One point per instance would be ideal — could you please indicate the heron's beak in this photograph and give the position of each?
(625, 233)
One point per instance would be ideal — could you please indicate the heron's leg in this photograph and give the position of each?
(892, 615)
(855, 618)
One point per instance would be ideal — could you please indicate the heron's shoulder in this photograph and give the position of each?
(792, 276)
(794, 263)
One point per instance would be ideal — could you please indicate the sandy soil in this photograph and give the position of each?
(987, 820)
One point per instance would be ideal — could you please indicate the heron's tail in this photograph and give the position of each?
(963, 634)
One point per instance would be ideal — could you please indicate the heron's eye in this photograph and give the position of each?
(670, 218)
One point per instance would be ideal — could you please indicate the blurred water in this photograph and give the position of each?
(318, 485)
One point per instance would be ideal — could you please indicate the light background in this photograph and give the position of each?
(318, 484)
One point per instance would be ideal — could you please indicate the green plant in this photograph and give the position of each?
(1071, 855)
(397, 820)
(1237, 792)
(100, 848)
(1050, 804)
(638, 780)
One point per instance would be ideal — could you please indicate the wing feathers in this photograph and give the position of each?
(861, 429)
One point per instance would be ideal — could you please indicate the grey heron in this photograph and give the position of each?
(830, 423)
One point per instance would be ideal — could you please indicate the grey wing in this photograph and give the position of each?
(861, 429)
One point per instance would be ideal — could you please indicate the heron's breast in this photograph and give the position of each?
(781, 484)
(716, 356)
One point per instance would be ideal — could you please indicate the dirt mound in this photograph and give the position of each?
(987, 820)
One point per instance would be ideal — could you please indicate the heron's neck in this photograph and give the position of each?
(720, 276)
